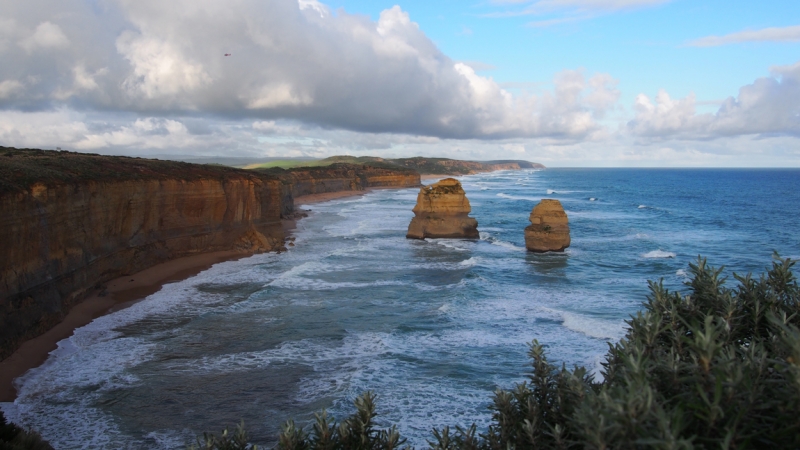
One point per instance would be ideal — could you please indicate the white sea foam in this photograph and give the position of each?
(594, 327)
(514, 197)
(312, 284)
(642, 206)
(659, 254)
(488, 237)
(472, 262)
(452, 244)
(561, 191)
(681, 273)
(592, 199)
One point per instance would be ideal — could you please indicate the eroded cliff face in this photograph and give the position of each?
(549, 228)
(339, 177)
(441, 212)
(68, 234)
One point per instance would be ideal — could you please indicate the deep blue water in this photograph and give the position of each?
(433, 327)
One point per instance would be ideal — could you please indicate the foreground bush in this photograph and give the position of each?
(13, 437)
(718, 368)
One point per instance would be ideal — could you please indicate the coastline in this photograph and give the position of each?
(127, 290)
(120, 293)
(327, 196)
(433, 176)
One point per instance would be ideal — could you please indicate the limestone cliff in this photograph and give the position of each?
(441, 212)
(549, 228)
(339, 177)
(72, 221)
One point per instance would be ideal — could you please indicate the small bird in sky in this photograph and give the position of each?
(227, 54)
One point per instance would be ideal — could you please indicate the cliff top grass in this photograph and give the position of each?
(22, 168)
(423, 165)
(338, 169)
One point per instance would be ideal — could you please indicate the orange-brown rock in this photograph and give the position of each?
(339, 177)
(549, 228)
(71, 222)
(441, 212)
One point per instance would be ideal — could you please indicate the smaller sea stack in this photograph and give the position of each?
(441, 212)
(549, 228)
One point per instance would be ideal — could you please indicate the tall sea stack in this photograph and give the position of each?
(441, 212)
(549, 228)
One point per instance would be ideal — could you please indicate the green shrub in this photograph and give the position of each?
(717, 368)
(357, 432)
(13, 437)
(236, 440)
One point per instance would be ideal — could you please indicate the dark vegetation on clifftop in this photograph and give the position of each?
(438, 166)
(22, 168)
(423, 165)
(717, 368)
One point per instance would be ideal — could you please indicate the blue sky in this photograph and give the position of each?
(646, 48)
(563, 82)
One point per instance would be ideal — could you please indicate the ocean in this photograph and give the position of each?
(432, 327)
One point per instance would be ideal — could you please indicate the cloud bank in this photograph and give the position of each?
(288, 60)
(776, 34)
(770, 105)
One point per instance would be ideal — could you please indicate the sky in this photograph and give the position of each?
(575, 83)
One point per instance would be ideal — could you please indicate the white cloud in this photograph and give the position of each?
(9, 88)
(518, 149)
(289, 60)
(479, 66)
(775, 34)
(46, 35)
(770, 105)
(83, 81)
(160, 70)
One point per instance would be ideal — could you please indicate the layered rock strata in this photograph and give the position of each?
(71, 222)
(549, 228)
(339, 177)
(442, 212)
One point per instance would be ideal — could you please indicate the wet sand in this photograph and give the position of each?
(120, 293)
(326, 196)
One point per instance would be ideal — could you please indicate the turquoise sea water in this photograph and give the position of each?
(433, 327)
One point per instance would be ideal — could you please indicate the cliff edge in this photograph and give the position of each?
(441, 212)
(73, 221)
(338, 177)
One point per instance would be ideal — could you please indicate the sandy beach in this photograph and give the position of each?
(324, 197)
(120, 293)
